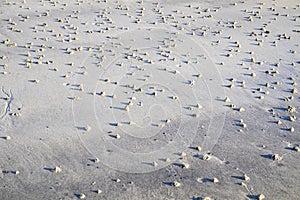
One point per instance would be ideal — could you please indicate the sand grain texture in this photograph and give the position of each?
(149, 100)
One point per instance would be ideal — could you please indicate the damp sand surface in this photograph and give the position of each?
(149, 100)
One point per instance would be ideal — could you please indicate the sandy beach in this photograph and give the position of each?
(135, 100)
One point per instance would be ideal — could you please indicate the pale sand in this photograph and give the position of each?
(144, 100)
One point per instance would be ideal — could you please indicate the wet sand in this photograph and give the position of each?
(149, 100)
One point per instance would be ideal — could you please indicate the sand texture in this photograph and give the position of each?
(135, 100)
